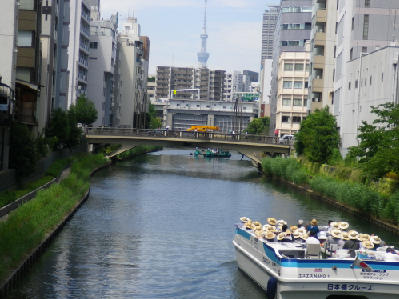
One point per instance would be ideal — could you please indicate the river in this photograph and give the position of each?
(161, 226)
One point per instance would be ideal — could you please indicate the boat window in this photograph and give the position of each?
(346, 297)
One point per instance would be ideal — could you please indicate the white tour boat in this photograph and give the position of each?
(297, 270)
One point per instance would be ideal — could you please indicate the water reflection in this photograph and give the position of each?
(161, 226)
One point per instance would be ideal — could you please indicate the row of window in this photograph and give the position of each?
(295, 119)
(295, 84)
(297, 102)
(296, 66)
(305, 26)
(296, 9)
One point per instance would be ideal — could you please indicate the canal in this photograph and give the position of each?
(161, 226)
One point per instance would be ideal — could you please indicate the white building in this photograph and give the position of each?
(130, 90)
(362, 27)
(182, 114)
(371, 80)
(103, 43)
(78, 50)
(292, 95)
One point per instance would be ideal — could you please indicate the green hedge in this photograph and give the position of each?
(26, 227)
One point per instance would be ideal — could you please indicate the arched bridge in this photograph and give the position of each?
(240, 142)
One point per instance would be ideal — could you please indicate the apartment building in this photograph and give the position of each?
(362, 27)
(28, 65)
(321, 81)
(372, 79)
(190, 83)
(78, 49)
(103, 43)
(131, 72)
(292, 95)
(291, 35)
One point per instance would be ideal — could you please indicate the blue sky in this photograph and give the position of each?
(174, 28)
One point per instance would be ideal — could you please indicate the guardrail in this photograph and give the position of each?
(162, 133)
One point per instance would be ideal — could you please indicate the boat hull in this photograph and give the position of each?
(252, 260)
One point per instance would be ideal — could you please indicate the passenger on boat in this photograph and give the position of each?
(313, 227)
(300, 223)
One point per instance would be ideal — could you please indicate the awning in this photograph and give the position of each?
(27, 84)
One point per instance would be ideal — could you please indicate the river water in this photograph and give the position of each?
(161, 226)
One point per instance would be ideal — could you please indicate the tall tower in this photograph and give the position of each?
(203, 55)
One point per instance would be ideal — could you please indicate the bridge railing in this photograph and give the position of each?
(160, 133)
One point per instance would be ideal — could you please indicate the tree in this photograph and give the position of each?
(155, 122)
(258, 126)
(62, 130)
(23, 150)
(378, 149)
(84, 111)
(318, 138)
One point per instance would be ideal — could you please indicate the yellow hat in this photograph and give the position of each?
(272, 221)
(368, 244)
(269, 235)
(280, 236)
(336, 233)
(345, 236)
(343, 225)
(244, 219)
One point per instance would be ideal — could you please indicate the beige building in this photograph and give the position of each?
(292, 94)
(321, 81)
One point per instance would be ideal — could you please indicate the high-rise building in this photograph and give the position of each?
(270, 18)
(78, 49)
(131, 72)
(362, 27)
(103, 43)
(291, 35)
(190, 83)
(321, 82)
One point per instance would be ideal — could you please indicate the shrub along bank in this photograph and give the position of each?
(354, 194)
(26, 227)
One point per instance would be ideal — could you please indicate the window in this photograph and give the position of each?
(285, 119)
(286, 102)
(287, 84)
(297, 102)
(296, 119)
(25, 38)
(366, 3)
(298, 84)
(299, 66)
(27, 4)
(288, 66)
(366, 27)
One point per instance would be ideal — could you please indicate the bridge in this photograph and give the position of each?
(255, 145)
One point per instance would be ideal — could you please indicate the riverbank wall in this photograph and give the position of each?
(351, 197)
(18, 253)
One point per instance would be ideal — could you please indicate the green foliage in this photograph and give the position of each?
(62, 130)
(155, 122)
(23, 153)
(259, 126)
(289, 169)
(26, 227)
(379, 142)
(318, 138)
(138, 150)
(84, 110)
